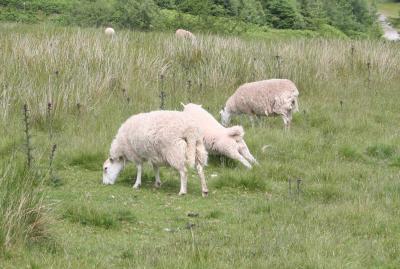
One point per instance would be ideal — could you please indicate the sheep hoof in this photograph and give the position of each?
(157, 185)
(136, 187)
(204, 194)
(182, 193)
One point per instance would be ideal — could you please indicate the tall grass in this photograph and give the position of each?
(21, 207)
(71, 67)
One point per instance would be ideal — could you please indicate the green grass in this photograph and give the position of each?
(389, 9)
(82, 214)
(343, 145)
(392, 11)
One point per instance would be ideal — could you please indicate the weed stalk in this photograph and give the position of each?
(189, 87)
(27, 136)
(279, 62)
(51, 160)
(369, 75)
(50, 119)
(299, 181)
(352, 57)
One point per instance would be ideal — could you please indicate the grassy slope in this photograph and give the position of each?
(392, 11)
(348, 157)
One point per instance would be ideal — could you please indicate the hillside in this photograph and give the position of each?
(354, 18)
(391, 10)
(325, 194)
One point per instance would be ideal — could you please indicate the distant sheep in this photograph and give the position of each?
(263, 98)
(109, 31)
(180, 33)
(217, 138)
(161, 138)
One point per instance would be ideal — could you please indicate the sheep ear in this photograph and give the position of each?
(111, 160)
(120, 158)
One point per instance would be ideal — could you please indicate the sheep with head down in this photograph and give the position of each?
(161, 138)
(181, 33)
(109, 31)
(218, 139)
(263, 98)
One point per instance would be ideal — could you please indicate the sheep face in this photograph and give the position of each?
(225, 117)
(111, 169)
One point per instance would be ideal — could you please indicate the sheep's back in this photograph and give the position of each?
(148, 136)
(203, 119)
(260, 96)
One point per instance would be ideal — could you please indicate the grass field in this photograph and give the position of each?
(390, 9)
(343, 145)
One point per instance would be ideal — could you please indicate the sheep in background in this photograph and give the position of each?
(161, 138)
(180, 33)
(217, 138)
(109, 31)
(266, 98)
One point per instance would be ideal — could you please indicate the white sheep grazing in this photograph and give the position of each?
(180, 33)
(266, 97)
(217, 138)
(109, 31)
(161, 138)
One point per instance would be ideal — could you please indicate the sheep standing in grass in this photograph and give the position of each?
(161, 138)
(109, 31)
(217, 138)
(180, 33)
(266, 97)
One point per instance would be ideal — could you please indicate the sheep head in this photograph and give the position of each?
(111, 169)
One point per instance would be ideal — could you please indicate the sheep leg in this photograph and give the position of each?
(157, 184)
(287, 119)
(236, 156)
(251, 117)
(138, 177)
(290, 114)
(183, 175)
(244, 151)
(200, 172)
(258, 120)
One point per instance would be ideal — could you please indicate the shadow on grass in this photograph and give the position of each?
(381, 151)
(249, 180)
(170, 182)
(89, 216)
(222, 161)
(324, 193)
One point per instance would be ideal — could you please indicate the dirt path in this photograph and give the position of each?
(389, 32)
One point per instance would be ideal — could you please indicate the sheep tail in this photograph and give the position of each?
(236, 131)
(191, 137)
